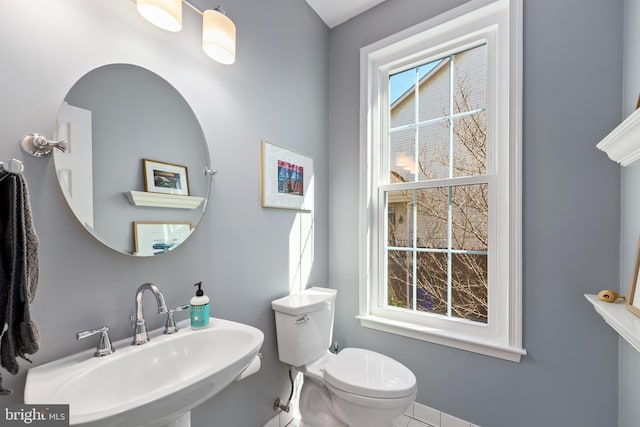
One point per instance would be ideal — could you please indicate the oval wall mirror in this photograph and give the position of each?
(133, 174)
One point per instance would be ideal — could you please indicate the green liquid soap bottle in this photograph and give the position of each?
(199, 309)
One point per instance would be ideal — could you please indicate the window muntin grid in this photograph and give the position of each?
(437, 258)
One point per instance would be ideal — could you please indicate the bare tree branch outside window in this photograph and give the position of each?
(440, 234)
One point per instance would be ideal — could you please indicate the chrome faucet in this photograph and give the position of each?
(104, 347)
(140, 335)
(171, 327)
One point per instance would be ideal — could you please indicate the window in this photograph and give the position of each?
(441, 180)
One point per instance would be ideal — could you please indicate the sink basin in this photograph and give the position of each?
(149, 385)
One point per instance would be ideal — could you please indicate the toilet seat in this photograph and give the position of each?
(356, 372)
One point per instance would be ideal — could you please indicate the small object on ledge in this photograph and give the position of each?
(609, 296)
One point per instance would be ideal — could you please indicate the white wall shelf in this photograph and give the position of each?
(622, 144)
(160, 200)
(619, 318)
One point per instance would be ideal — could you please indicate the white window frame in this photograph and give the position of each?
(499, 23)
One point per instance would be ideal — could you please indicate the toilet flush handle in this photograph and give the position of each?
(303, 319)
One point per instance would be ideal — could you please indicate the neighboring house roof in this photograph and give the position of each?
(423, 80)
(433, 106)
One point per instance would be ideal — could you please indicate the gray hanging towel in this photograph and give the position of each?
(18, 274)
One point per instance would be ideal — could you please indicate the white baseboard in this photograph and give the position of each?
(435, 418)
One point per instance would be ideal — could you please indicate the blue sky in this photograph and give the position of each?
(401, 82)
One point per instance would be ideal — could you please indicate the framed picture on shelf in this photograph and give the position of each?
(287, 178)
(633, 302)
(167, 178)
(155, 238)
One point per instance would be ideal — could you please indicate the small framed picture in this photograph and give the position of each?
(633, 302)
(287, 178)
(167, 178)
(155, 238)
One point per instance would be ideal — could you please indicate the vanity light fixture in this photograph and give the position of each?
(218, 31)
(166, 14)
(219, 36)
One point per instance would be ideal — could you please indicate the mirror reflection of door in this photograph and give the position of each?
(75, 166)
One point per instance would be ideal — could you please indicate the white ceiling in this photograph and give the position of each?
(335, 12)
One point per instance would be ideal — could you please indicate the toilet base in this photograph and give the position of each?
(317, 409)
(315, 406)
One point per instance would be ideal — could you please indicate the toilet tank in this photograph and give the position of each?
(304, 325)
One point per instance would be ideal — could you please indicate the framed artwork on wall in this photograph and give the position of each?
(155, 238)
(287, 178)
(167, 178)
(633, 302)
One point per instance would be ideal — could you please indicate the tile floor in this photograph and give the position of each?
(417, 415)
(402, 421)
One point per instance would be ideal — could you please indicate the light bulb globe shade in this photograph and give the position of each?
(166, 14)
(218, 37)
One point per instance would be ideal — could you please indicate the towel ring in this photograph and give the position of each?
(39, 146)
(12, 166)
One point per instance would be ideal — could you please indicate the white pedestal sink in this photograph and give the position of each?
(152, 385)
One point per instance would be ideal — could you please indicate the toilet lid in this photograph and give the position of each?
(370, 374)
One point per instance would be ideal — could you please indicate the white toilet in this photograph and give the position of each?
(354, 388)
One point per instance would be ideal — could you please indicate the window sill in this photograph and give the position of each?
(439, 336)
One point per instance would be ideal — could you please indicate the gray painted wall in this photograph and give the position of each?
(573, 56)
(629, 371)
(572, 93)
(277, 90)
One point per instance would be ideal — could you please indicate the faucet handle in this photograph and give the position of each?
(170, 327)
(104, 347)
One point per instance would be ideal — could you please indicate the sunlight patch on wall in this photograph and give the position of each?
(300, 251)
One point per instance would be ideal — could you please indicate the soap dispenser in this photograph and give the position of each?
(199, 309)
